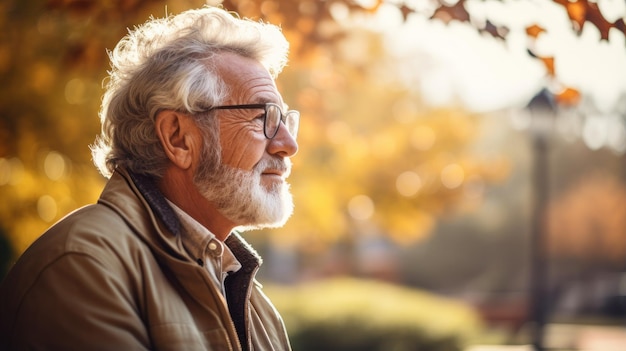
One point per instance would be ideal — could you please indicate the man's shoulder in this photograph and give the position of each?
(69, 269)
(96, 220)
(95, 230)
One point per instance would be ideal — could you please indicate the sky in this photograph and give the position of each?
(455, 64)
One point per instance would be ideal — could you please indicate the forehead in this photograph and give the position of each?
(247, 79)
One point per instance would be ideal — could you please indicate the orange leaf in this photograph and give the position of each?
(568, 96)
(548, 63)
(534, 30)
(576, 11)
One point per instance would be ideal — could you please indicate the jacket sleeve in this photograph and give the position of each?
(80, 303)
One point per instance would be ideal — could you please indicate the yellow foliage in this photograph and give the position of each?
(410, 226)
(361, 134)
(588, 220)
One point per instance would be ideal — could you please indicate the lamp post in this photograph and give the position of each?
(542, 112)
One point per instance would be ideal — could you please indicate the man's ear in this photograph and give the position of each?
(176, 130)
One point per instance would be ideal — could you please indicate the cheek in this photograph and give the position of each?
(242, 149)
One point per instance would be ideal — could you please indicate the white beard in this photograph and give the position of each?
(241, 198)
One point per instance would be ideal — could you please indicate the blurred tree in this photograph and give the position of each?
(372, 156)
(587, 223)
(53, 58)
(587, 244)
(403, 165)
(52, 63)
(308, 22)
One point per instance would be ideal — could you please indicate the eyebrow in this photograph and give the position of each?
(262, 100)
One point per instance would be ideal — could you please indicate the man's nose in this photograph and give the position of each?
(283, 143)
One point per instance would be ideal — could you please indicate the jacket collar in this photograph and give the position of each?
(155, 199)
(164, 225)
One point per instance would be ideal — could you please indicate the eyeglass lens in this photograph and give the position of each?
(272, 121)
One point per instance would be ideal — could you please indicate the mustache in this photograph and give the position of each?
(272, 163)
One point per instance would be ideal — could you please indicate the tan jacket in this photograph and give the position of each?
(115, 276)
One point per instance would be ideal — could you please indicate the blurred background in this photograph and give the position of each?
(461, 178)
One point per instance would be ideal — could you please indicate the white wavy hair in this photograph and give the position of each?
(167, 63)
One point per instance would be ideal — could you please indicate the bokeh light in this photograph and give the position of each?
(54, 165)
(452, 176)
(408, 183)
(47, 208)
(361, 207)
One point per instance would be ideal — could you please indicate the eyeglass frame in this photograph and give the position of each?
(283, 116)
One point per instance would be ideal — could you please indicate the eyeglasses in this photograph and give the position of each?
(271, 119)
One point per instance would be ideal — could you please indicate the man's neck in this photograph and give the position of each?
(178, 187)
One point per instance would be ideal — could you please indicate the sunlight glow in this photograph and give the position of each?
(616, 138)
(11, 171)
(47, 208)
(423, 138)
(453, 63)
(75, 91)
(404, 111)
(367, 3)
(452, 176)
(383, 146)
(338, 132)
(5, 171)
(595, 132)
(357, 149)
(339, 11)
(54, 165)
(361, 207)
(408, 183)
(307, 7)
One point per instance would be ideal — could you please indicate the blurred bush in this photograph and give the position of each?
(345, 314)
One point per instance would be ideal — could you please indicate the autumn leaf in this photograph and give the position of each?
(498, 32)
(548, 63)
(456, 12)
(581, 11)
(568, 96)
(576, 11)
(406, 11)
(534, 31)
(55, 49)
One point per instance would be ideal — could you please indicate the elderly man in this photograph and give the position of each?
(196, 140)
